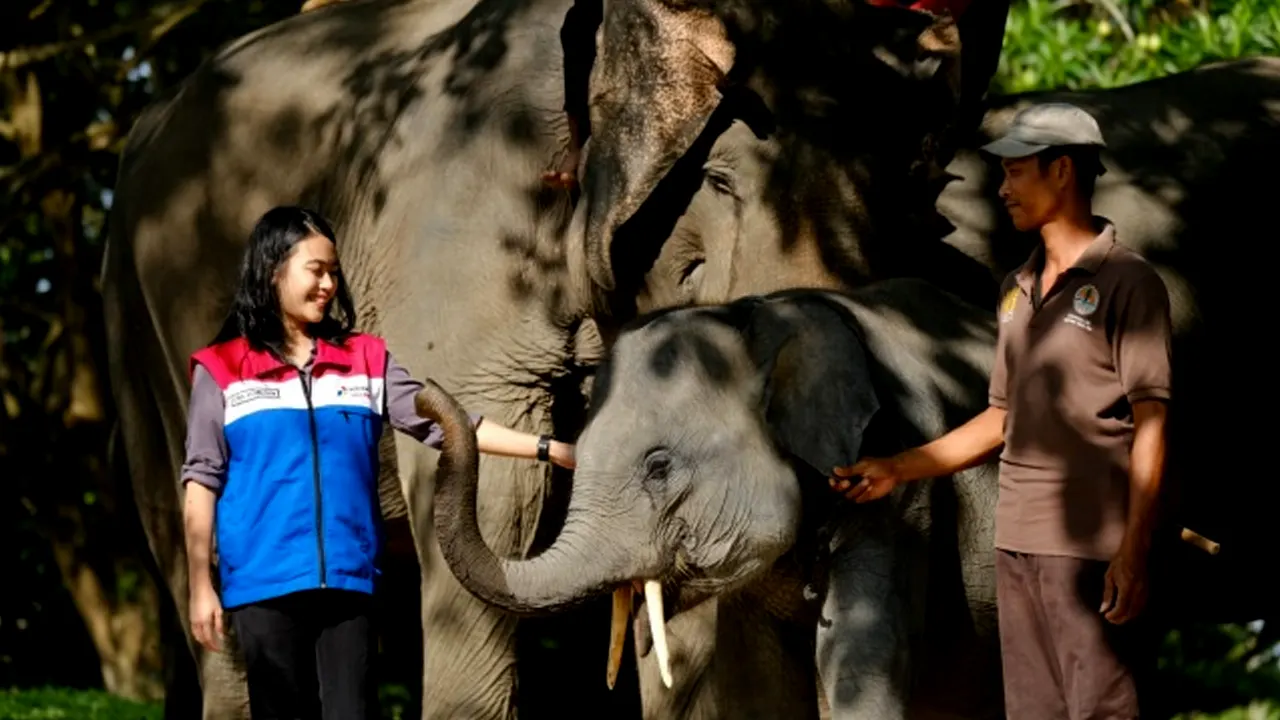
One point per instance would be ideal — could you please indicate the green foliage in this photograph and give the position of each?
(61, 703)
(1106, 43)
(1258, 710)
(395, 701)
(1223, 672)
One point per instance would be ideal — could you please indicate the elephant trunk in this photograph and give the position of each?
(578, 566)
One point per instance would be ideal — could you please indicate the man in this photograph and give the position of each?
(1077, 398)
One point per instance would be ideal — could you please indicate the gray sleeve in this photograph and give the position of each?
(206, 461)
(403, 416)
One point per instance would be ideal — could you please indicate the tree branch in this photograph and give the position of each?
(149, 28)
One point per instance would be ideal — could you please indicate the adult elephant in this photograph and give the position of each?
(421, 128)
(702, 476)
(769, 197)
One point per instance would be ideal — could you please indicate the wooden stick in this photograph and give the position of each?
(1200, 541)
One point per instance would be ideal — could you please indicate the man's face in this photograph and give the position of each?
(1032, 194)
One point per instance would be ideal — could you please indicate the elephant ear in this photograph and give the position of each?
(664, 66)
(818, 397)
(653, 88)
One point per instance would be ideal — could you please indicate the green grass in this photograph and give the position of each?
(53, 703)
(70, 704)
(59, 703)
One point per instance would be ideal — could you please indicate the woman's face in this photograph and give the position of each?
(307, 280)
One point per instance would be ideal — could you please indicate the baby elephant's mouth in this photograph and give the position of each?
(683, 590)
(623, 606)
(656, 612)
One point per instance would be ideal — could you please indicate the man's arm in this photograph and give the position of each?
(962, 448)
(1146, 468)
(1141, 347)
(957, 450)
(1141, 351)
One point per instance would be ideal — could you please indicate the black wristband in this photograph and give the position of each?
(544, 448)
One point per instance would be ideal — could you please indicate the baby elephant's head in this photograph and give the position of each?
(702, 418)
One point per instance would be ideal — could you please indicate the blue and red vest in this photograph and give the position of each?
(299, 507)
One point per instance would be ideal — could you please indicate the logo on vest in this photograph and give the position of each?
(1008, 304)
(1086, 301)
(353, 391)
(250, 394)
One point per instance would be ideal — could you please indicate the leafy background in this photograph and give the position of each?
(82, 637)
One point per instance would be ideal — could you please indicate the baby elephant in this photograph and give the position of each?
(702, 478)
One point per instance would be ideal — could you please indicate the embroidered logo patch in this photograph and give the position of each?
(354, 391)
(1085, 301)
(251, 394)
(1008, 304)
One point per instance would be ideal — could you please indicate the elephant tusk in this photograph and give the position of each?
(618, 630)
(657, 627)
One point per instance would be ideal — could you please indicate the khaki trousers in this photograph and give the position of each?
(1062, 659)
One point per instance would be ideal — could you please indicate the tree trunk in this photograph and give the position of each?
(57, 427)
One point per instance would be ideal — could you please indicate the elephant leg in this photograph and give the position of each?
(469, 647)
(153, 477)
(862, 644)
(221, 676)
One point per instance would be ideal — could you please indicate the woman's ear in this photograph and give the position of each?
(818, 398)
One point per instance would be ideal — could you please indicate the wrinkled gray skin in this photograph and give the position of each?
(703, 464)
(763, 216)
(421, 128)
(752, 209)
(421, 131)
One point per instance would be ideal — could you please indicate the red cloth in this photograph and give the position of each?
(937, 7)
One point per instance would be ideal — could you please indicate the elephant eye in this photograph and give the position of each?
(689, 270)
(720, 181)
(657, 464)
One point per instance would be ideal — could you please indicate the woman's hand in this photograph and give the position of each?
(562, 454)
(206, 616)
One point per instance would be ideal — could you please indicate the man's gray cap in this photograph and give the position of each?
(1043, 126)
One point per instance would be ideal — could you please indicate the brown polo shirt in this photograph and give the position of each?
(1067, 371)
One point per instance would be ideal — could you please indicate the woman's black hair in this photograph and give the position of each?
(255, 312)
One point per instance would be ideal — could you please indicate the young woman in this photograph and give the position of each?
(282, 439)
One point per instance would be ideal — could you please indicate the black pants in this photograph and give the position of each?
(309, 656)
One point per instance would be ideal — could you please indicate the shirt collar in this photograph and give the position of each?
(323, 353)
(1088, 263)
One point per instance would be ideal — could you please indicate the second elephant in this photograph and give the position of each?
(703, 468)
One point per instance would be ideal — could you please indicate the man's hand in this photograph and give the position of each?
(879, 476)
(1124, 590)
(206, 615)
